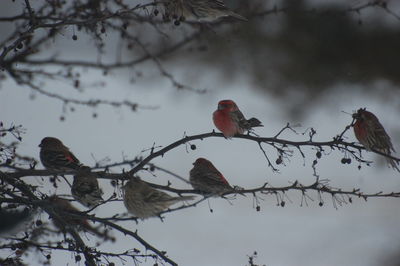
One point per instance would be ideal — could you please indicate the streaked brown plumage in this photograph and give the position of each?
(55, 156)
(206, 178)
(372, 135)
(63, 219)
(143, 201)
(86, 190)
(200, 10)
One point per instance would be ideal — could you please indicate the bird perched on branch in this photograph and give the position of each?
(143, 201)
(206, 178)
(200, 10)
(230, 120)
(86, 190)
(55, 156)
(372, 135)
(64, 217)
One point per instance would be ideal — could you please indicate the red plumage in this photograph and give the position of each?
(231, 121)
(372, 135)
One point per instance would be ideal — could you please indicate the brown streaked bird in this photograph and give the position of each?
(207, 179)
(54, 155)
(372, 135)
(143, 201)
(86, 190)
(63, 218)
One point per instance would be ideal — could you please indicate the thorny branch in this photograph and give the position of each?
(89, 253)
(16, 192)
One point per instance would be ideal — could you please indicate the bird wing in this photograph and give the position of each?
(238, 117)
(60, 159)
(217, 4)
(71, 157)
(380, 136)
(216, 178)
(154, 196)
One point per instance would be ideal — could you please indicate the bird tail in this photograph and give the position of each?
(394, 164)
(182, 198)
(237, 16)
(254, 122)
(238, 189)
(391, 162)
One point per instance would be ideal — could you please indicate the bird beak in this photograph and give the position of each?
(40, 145)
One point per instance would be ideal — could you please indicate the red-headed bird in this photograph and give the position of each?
(143, 201)
(230, 120)
(372, 135)
(86, 190)
(55, 156)
(207, 179)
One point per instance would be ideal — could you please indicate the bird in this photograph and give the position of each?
(143, 201)
(207, 179)
(231, 121)
(54, 155)
(62, 218)
(372, 135)
(86, 190)
(199, 10)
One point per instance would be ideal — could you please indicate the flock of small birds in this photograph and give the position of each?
(144, 201)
